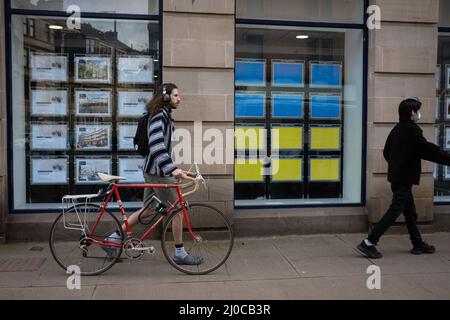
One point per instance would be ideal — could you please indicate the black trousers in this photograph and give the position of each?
(402, 201)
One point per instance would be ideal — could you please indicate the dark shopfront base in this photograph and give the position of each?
(255, 223)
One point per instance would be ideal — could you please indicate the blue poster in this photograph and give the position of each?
(325, 107)
(287, 74)
(325, 75)
(249, 105)
(287, 106)
(250, 73)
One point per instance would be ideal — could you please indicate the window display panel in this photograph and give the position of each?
(325, 138)
(249, 105)
(284, 170)
(48, 102)
(126, 136)
(135, 69)
(250, 72)
(287, 73)
(49, 171)
(86, 169)
(73, 103)
(249, 178)
(325, 106)
(94, 69)
(131, 169)
(287, 105)
(325, 75)
(48, 67)
(313, 109)
(287, 137)
(133, 103)
(93, 103)
(48, 136)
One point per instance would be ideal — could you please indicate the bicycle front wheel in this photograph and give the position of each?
(74, 241)
(211, 238)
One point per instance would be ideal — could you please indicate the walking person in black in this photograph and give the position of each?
(404, 149)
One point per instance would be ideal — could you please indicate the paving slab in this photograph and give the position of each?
(176, 291)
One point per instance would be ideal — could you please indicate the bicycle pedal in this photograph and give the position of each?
(150, 250)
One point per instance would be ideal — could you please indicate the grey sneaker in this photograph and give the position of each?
(110, 251)
(188, 260)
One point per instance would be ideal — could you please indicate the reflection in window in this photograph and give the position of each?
(147, 7)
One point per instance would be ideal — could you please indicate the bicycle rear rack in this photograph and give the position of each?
(76, 202)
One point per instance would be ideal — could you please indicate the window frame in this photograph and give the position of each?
(9, 13)
(360, 26)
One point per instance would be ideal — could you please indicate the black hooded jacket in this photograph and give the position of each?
(404, 149)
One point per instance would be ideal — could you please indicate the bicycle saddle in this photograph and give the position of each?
(109, 178)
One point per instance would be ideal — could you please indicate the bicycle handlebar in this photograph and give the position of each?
(194, 180)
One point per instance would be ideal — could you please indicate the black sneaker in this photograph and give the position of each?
(369, 251)
(423, 247)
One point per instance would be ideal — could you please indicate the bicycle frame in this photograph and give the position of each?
(115, 192)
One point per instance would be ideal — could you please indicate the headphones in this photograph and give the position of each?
(165, 96)
(417, 99)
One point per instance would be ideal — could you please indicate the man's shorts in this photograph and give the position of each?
(166, 195)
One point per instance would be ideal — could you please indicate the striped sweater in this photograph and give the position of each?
(160, 128)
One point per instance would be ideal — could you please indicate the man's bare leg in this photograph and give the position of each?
(177, 226)
(134, 218)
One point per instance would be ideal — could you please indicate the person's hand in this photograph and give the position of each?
(178, 173)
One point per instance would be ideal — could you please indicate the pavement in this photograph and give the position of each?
(279, 268)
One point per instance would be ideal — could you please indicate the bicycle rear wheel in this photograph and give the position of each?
(77, 247)
(213, 238)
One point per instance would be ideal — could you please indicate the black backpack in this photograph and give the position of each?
(141, 137)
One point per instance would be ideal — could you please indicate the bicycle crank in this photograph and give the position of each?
(134, 248)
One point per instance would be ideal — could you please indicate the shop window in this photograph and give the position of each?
(298, 115)
(76, 102)
(441, 174)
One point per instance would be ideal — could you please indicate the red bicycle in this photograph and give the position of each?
(80, 233)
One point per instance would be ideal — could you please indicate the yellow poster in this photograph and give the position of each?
(287, 170)
(324, 169)
(249, 138)
(287, 138)
(325, 138)
(246, 170)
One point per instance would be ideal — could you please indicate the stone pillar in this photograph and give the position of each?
(3, 149)
(198, 56)
(402, 63)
